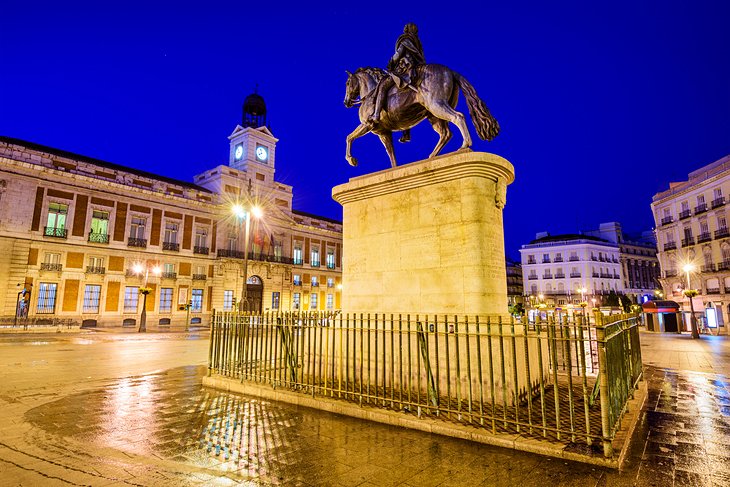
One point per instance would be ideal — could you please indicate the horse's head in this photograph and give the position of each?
(352, 90)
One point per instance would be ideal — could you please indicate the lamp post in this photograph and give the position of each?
(691, 293)
(138, 269)
(242, 213)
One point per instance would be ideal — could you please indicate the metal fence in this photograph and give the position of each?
(540, 380)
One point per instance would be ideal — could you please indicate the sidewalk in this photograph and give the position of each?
(681, 352)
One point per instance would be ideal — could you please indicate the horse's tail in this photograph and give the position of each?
(486, 125)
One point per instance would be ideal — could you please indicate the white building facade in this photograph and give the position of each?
(691, 228)
(567, 269)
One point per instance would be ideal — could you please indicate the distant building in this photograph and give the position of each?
(515, 287)
(80, 237)
(691, 228)
(567, 269)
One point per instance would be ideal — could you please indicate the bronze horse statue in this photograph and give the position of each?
(434, 97)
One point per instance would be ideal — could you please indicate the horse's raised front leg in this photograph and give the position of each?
(361, 130)
(443, 111)
(442, 128)
(387, 140)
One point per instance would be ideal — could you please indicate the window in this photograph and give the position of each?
(313, 301)
(169, 269)
(330, 260)
(171, 232)
(100, 223)
(295, 300)
(92, 293)
(227, 300)
(530, 259)
(688, 233)
(277, 249)
(666, 213)
(685, 206)
(197, 301)
(297, 280)
(574, 256)
(297, 257)
(315, 258)
(57, 216)
(131, 295)
(700, 199)
(166, 299)
(96, 265)
(717, 192)
(137, 228)
(721, 222)
(275, 300)
(704, 229)
(232, 242)
(330, 282)
(201, 237)
(52, 258)
(330, 301)
(315, 281)
(46, 297)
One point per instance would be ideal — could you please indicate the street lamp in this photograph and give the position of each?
(242, 213)
(138, 269)
(691, 293)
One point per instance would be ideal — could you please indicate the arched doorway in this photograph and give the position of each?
(254, 294)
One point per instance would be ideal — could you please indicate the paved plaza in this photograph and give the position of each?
(128, 409)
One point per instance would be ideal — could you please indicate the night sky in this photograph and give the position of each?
(601, 106)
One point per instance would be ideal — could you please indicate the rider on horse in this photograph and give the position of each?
(402, 68)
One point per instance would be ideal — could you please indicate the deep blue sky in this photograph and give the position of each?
(601, 104)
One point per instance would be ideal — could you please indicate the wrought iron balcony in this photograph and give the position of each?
(330, 266)
(573, 258)
(575, 274)
(558, 259)
(532, 277)
(722, 233)
(55, 232)
(531, 261)
(670, 273)
(685, 214)
(714, 290)
(99, 238)
(594, 258)
(315, 263)
(173, 246)
(708, 268)
(199, 277)
(559, 276)
(701, 208)
(315, 284)
(717, 202)
(201, 250)
(169, 275)
(595, 274)
(704, 237)
(547, 276)
(667, 220)
(670, 246)
(45, 266)
(724, 265)
(686, 242)
(546, 260)
(297, 283)
(137, 242)
(236, 254)
(95, 270)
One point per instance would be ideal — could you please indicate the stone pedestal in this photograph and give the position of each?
(426, 237)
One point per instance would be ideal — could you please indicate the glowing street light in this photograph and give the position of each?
(138, 268)
(240, 212)
(691, 293)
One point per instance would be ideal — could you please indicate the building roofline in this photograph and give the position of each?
(697, 176)
(99, 162)
(318, 217)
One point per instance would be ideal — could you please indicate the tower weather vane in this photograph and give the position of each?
(409, 92)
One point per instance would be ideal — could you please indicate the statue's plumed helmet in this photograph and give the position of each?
(410, 28)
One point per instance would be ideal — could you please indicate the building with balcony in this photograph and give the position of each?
(565, 269)
(691, 228)
(81, 236)
(515, 286)
(559, 267)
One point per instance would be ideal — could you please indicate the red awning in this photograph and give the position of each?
(660, 307)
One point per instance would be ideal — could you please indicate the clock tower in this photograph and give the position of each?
(252, 145)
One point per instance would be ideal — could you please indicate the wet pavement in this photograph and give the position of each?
(130, 410)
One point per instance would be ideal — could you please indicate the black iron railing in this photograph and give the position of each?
(55, 232)
(45, 266)
(201, 250)
(95, 270)
(137, 242)
(172, 246)
(99, 238)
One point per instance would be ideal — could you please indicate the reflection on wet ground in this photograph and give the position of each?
(166, 429)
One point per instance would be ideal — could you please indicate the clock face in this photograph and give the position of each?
(239, 152)
(262, 153)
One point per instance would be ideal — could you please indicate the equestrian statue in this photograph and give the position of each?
(409, 91)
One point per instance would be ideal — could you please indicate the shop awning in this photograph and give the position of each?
(660, 307)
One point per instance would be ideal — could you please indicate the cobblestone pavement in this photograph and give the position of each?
(103, 410)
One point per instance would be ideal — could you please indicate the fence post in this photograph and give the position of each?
(603, 385)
